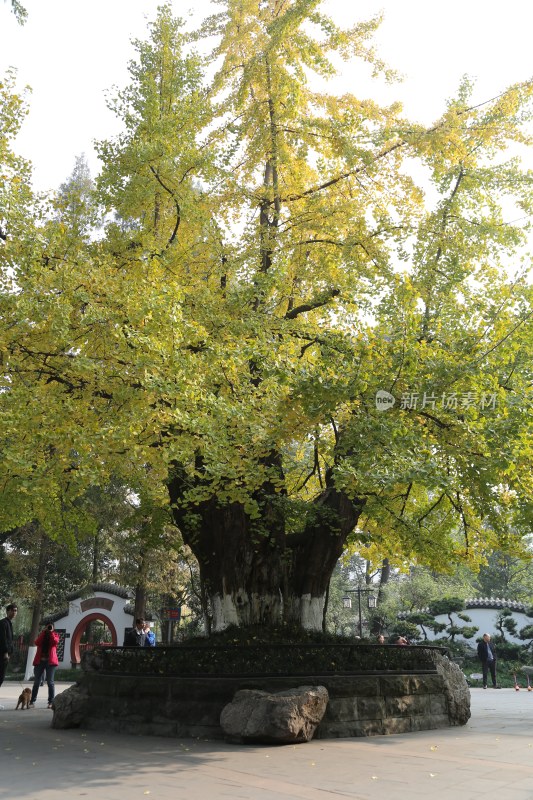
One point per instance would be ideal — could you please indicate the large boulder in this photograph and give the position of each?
(70, 708)
(286, 717)
(456, 690)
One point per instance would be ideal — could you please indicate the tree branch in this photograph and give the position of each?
(320, 301)
(178, 210)
(314, 189)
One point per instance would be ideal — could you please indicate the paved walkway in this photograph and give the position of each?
(491, 757)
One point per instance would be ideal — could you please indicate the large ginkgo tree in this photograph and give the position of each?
(306, 320)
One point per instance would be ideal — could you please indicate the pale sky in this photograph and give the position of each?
(71, 51)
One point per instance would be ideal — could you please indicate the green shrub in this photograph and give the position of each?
(507, 651)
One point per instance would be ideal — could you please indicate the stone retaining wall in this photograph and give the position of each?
(359, 705)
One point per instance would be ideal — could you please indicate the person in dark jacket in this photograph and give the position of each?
(486, 653)
(6, 639)
(136, 637)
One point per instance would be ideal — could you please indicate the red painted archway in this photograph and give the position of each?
(75, 656)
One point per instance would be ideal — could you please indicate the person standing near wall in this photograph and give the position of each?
(150, 636)
(45, 661)
(6, 639)
(487, 655)
(136, 637)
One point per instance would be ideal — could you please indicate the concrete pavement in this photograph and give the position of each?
(491, 757)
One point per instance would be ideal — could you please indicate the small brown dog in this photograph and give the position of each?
(24, 699)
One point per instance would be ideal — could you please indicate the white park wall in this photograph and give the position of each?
(483, 614)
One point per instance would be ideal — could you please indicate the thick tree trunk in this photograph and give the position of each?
(140, 588)
(241, 567)
(313, 555)
(37, 610)
(383, 578)
(256, 574)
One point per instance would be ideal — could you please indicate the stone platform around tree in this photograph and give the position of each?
(359, 705)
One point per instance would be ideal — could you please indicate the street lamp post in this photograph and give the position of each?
(372, 603)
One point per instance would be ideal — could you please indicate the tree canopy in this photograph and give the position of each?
(279, 330)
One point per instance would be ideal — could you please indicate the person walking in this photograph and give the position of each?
(487, 655)
(6, 639)
(45, 662)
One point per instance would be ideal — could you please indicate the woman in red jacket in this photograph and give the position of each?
(45, 661)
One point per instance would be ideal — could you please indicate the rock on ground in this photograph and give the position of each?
(70, 708)
(456, 690)
(286, 717)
